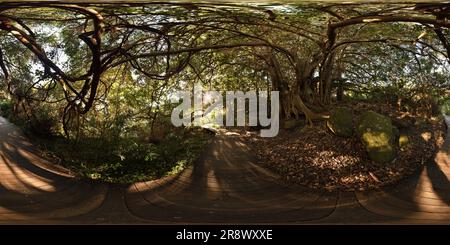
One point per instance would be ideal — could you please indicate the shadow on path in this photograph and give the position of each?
(31, 188)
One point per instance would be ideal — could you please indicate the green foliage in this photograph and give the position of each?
(341, 122)
(5, 108)
(126, 135)
(126, 160)
(445, 107)
(43, 122)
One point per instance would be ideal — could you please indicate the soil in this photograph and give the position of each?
(312, 156)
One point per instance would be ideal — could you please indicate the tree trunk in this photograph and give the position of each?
(294, 99)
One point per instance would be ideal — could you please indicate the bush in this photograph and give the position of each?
(126, 160)
(377, 134)
(43, 122)
(341, 122)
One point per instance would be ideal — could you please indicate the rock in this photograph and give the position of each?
(403, 140)
(341, 122)
(377, 134)
(403, 123)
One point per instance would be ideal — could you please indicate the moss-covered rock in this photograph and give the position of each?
(403, 140)
(341, 122)
(377, 134)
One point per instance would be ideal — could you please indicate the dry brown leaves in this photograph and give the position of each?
(314, 157)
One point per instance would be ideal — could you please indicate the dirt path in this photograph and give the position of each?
(224, 186)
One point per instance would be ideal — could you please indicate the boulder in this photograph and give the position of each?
(377, 134)
(403, 140)
(341, 122)
(292, 123)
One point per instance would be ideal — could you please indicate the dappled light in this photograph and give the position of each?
(205, 112)
(426, 136)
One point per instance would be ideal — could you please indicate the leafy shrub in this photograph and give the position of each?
(376, 133)
(341, 122)
(43, 122)
(127, 160)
